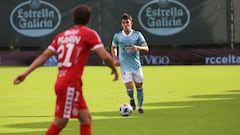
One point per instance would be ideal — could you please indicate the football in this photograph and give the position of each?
(125, 109)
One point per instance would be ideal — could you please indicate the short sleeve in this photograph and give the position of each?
(95, 40)
(115, 41)
(53, 46)
(141, 38)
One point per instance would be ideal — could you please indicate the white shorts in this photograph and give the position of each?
(136, 76)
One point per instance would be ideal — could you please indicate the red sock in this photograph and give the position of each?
(85, 129)
(53, 130)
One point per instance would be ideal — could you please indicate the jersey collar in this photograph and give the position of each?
(126, 34)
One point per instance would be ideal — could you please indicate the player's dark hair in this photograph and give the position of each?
(81, 14)
(126, 16)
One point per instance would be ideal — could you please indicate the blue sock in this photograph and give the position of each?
(140, 97)
(130, 93)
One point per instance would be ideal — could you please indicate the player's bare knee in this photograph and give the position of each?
(61, 123)
(129, 85)
(85, 117)
(85, 120)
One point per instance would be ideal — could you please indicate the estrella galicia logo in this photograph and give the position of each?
(164, 17)
(35, 18)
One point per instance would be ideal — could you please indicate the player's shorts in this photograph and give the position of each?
(69, 100)
(136, 76)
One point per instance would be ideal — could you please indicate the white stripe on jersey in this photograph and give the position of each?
(97, 46)
(52, 48)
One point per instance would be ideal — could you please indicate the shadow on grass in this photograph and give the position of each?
(23, 133)
(33, 125)
(204, 115)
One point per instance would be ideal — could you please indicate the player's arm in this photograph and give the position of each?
(114, 54)
(142, 47)
(40, 60)
(106, 57)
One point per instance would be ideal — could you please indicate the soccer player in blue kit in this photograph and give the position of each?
(125, 49)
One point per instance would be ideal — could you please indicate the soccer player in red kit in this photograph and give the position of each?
(72, 48)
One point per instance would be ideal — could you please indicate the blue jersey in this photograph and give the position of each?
(129, 61)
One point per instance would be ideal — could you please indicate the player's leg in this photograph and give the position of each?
(57, 125)
(129, 87)
(85, 120)
(138, 80)
(128, 82)
(140, 96)
(84, 115)
(130, 93)
(64, 107)
(60, 119)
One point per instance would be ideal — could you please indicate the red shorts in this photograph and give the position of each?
(69, 100)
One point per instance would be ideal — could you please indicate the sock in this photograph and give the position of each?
(85, 129)
(140, 97)
(130, 93)
(53, 130)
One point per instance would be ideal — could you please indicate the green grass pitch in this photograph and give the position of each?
(179, 100)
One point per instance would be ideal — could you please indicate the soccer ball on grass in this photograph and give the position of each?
(125, 109)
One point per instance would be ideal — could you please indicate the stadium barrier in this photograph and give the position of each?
(185, 56)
